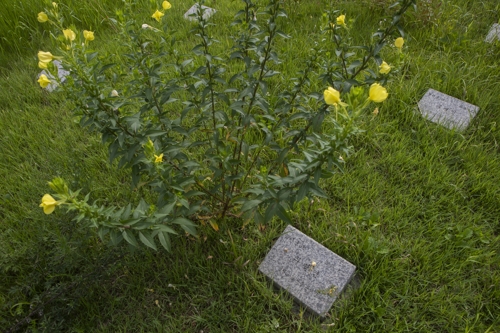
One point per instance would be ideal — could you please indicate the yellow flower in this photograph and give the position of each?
(48, 204)
(384, 68)
(341, 20)
(377, 93)
(43, 80)
(45, 56)
(88, 35)
(69, 34)
(54, 5)
(399, 42)
(42, 65)
(42, 17)
(157, 15)
(166, 5)
(159, 159)
(332, 96)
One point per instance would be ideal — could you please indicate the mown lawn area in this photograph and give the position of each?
(416, 207)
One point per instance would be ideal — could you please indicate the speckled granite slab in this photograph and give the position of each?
(494, 33)
(311, 273)
(447, 110)
(207, 13)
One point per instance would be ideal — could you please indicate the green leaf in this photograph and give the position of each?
(186, 62)
(302, 191)
(128, 235)
(91, 56)
(116, 237)
(141, 208)
(134, 122)
(186, 224)
(154, 133)
(147, 240)
(282, 214)
(165, 228)
(270, 211)
(165, 240)
(105, 67)
(282, 34)
(250, 204)
(167, 208)
(102, 232)
(314, 189)
(126, 212)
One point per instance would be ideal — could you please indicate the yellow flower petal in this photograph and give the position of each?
(48, 199)
(384, 68)
(332, 96)
(88, 35)
(399, 42)
(157, 15)
(48, 209)
(42, 65)
(377, 93)
(341, 20)
(166, 5)
(43, 81)
(159, 158)
(48, 204)
(69, 34)
(42, 17)
(45, 56)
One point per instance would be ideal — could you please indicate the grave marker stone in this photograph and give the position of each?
(194, 10)
(494, 33)
(446, 110)
(311, 273)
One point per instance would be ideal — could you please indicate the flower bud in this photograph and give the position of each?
(69, 34)
(332, 96)
(59, 185)
(384, 68)
(399, 42)
(166, 5)
(42, 17)
(88, 35)
(377, 93)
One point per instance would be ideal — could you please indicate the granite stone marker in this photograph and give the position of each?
(494, 33)
(311, 273)
(193, 12)
(447, 110)
(61, 72)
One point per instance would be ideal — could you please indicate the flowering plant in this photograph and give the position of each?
(208, 135)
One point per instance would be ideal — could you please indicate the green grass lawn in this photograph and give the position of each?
(416, 209)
